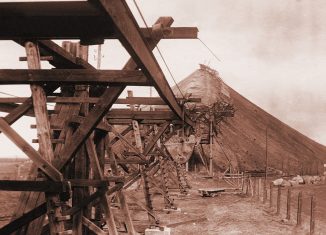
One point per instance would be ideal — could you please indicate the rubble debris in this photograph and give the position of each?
(158, 231)
(210, 192)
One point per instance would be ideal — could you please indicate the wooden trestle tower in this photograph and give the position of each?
(68, 190)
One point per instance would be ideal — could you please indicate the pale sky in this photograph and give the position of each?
(272, 52)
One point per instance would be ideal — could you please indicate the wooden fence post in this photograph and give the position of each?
(299, 208)
(259, 189)
(278, 203)
(271, 195)
(265, 191)
(288, 205)
(254, 187)
(312, 215)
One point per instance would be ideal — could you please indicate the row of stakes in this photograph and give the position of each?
(254, 191)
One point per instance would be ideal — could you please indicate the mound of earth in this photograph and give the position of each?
(242, 138)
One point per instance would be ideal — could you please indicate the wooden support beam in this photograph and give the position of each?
(23, 220)
(91, 121)
(44, 135)
(140, 115)
(98, 173)
(170, 32)
(94, 100)
(120, 194)
(75, 209)
(128, 121)
(79, 119)
(74, 15)
(61, 58)
(36, 186)
(154, 139)
(106, 101)
(129, 160)
(73, 76)
(93, 227)
(116, 133)
(98, 29)
(41, 163)
(123, 133)
(131, 38)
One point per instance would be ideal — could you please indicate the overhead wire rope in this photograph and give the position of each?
(159, 51)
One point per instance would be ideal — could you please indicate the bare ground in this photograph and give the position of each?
(223, 214)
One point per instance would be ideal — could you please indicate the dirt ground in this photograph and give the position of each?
(239, 214)
(223, 214)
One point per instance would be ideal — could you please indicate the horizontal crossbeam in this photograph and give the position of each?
(73, 76)
(93, 100)
(140, 115)
(55, 187)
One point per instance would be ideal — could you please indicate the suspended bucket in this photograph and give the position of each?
(180, 148)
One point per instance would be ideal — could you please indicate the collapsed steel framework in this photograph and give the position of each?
(68, 190)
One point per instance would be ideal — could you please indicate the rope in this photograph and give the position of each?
(159, 51)
(4, 93)
(211, 51)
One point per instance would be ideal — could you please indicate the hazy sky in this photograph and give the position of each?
(272, 52)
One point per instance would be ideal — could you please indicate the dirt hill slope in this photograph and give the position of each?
(243, 138)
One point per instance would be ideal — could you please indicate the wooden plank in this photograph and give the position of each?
(23, 220)
(131, 38)
(73, 76)
(41, 163)
(98, 29)
(93, 100)
(171, 32)
(74, 15)
(36, 186)
(197, 220)
(137, 136)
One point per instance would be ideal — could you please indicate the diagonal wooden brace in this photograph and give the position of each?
(41, 163)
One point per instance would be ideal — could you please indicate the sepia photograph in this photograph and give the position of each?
(152, 117)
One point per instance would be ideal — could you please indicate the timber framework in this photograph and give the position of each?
(90, 153)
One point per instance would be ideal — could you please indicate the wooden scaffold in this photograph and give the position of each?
(68, 190)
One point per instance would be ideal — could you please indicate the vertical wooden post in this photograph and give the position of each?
(44, 137)
(312, 214)
(266, 154)
(299, 210)
(278, 203)
(120, 194)
(211, 148)
(265, 192)
(288, 205)
(99, 174)
(259, 189)
(254, 187)
(271, 195)
(81, 160)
